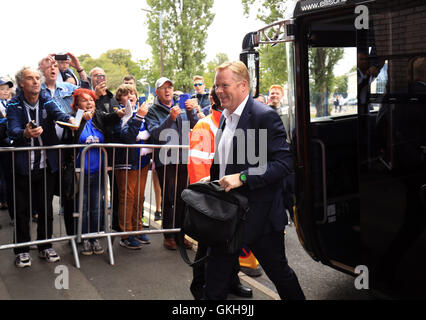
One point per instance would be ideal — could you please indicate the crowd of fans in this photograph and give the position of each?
(43, 109)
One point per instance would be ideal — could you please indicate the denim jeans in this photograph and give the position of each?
(93, 204)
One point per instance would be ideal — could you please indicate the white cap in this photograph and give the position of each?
(162, 81)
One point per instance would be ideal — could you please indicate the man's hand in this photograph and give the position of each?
(32, 133)
(175, 112)
(230, 182)
(142, 110)
(190, 104)
(100, 89)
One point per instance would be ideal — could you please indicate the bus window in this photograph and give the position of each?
(332, 82)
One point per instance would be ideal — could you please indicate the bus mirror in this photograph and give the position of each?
(251, 60)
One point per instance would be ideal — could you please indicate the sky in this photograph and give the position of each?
(37, 28)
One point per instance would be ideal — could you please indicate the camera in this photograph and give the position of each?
(61, 57)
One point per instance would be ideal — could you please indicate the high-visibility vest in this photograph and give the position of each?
(202, 146)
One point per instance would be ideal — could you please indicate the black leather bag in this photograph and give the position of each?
(213, 217)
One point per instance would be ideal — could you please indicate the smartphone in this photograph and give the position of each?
(182, 99)
(61, 57)
(141, 100)
(33, 125)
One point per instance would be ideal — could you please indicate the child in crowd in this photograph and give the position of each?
(132, 166)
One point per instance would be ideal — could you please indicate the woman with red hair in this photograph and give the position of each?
(92, 127)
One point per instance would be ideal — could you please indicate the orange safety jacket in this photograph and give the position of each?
(202, 146)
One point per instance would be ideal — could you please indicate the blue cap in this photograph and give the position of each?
(8, 82)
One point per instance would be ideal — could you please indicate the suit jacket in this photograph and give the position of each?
(17, 119)
(265, 137)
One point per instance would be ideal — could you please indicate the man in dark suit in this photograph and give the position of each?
(253, 156)
(34, 174)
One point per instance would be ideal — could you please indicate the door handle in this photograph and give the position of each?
(324, 180)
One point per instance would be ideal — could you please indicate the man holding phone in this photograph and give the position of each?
(166, 116)
(105, 99)
(31, 116)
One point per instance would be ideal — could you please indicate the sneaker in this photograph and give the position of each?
(157, 216)
(144, 223)
(49, 254)
(130, 243)
(23, 260)
(87, 248)
(97, 248)
(142, 238)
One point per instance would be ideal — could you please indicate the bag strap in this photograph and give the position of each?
(184, 254)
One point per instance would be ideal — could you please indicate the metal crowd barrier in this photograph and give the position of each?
(108, 201)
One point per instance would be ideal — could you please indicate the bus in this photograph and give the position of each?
(360, 169)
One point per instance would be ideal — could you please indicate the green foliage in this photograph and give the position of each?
(211, 68)
(184, 24)
(116, 63)
(273, 65)
(321, 65)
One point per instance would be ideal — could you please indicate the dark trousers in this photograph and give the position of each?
(172, 219)
(6, 164)
(42, 190)
(270, 252)
(198, 271)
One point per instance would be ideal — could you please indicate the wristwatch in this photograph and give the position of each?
(243, 177)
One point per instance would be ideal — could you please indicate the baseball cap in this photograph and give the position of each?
(6, 81)
(162, 81)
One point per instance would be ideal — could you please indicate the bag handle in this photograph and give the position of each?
(241, 199)
(184, 254)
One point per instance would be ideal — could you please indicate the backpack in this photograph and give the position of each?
(213, 217)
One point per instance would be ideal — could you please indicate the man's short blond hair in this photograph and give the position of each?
(277, 86)
(195, 78)
(238, 68)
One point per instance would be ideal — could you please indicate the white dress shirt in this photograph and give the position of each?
(225, 143)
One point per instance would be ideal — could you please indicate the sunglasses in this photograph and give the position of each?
(198, 84)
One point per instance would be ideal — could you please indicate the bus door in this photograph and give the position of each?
(332, 175)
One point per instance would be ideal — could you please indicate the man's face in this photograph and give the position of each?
(131, 81)
(165, 93)
(51, 72)
(229, 91)
(30, 83)
(199, 86)
(275, 96)
(98, 76)
(4, 91)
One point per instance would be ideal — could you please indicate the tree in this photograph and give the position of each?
(185, 24)
(211, 68)
(273, 66)
(321, 65)
(115, 71)
(321, 60)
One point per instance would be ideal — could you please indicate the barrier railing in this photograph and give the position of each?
(105, 194)
(108, 233)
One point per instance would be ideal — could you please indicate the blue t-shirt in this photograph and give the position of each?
(91, 134)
